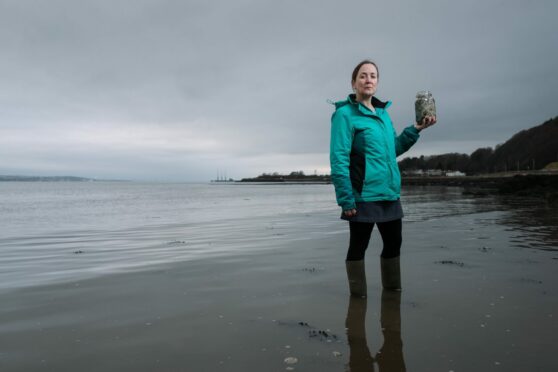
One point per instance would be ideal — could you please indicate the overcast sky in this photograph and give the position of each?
(181, 90)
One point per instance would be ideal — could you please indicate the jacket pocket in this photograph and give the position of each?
(376, 178)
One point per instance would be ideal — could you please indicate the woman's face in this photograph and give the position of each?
(366, 81)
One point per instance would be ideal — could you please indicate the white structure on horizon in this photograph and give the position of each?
(455, 174)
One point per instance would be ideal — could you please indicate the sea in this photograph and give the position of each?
(62, 231)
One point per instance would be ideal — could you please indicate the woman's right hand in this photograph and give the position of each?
(426, 122)
(350, 212)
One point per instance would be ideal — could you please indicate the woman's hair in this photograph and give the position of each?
(365, 62)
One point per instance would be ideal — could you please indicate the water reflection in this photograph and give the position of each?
(422, 203)
(390, 356)
(533, 221)
(360, 358)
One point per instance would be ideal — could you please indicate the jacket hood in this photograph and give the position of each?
(351, 99)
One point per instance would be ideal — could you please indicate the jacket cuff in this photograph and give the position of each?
(348, 206)
(414, 129)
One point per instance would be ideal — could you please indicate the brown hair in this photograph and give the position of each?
(357, 68)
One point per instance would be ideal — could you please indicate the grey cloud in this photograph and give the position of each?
(253, 76)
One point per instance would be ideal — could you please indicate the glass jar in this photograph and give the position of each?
(425, 105)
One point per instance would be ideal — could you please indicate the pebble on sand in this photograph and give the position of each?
(291, 360)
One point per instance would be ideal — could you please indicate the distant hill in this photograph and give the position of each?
(43, 179)
(530, 149)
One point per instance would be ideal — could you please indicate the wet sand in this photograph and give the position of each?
(474, 299)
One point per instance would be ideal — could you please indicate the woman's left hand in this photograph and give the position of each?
(350, 212)
(426, 122)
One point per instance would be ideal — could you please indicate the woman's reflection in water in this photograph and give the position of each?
(360, 358)
(390, 357)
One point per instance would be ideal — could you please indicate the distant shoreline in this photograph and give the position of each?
(491, 179)
(273, 183)
(539, 184)
(9, 178)
(4, 178)
(507, 180)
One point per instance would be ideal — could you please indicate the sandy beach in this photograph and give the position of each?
(474, 299)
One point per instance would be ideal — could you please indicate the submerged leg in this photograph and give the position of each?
(356, 274)
(389, 261)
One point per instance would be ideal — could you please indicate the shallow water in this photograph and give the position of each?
(490, 306)
(260, 277)
(53, 232)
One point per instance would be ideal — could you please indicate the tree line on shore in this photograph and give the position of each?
(530, 149)
(296, 176)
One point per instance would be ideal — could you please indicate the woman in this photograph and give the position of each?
(364, 171)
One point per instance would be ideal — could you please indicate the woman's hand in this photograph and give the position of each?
(350, 212)
(426, 122)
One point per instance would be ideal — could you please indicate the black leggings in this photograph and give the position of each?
(360, 236)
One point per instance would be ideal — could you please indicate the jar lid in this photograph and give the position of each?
(424, 94)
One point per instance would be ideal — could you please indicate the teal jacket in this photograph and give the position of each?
(363, 151)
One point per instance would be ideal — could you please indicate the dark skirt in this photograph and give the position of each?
(376, 211)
